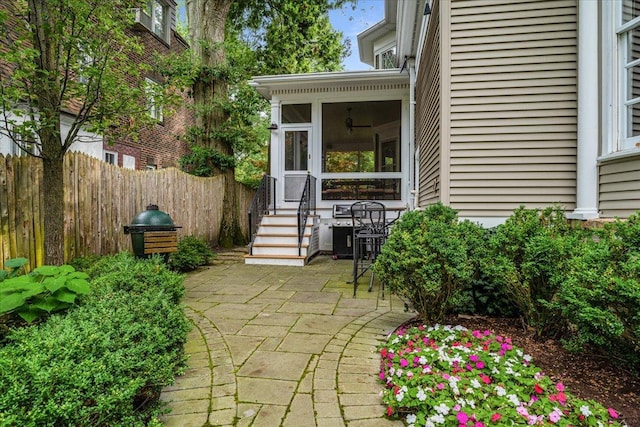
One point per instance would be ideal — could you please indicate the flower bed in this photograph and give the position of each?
(451, 376)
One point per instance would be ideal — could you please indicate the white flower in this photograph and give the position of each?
(437, 418)
(585, 410)
(429, 423)
(495, 371)
(399, 396)
(527, 358)
(422, 360)
(411, 418)
(514, 399)
(442, 409)
(500, 391)
(475, 383)
(422, 396)
(471, 403)
(469, 390)
(396, 340)
(399, 373)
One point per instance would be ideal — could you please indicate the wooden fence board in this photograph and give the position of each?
(99, 200)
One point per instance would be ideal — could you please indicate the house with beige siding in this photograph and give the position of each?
(490, 104)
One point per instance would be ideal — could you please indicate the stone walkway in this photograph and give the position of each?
(282, 346)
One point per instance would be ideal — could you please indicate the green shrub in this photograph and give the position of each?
(528, 257)
(192, 253)
(600, 299)
(425, 261)
(84, 263)
(126, 273)
(105, 362)
(45, 290)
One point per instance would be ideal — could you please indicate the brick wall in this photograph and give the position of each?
(160, 145)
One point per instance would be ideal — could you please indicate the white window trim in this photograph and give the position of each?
(147, 20)
(115, 157)
(153, 110)
(615, 82)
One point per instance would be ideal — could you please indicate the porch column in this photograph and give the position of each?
(273, 163)
(588, 104)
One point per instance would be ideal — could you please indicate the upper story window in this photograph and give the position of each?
(386, 59)
(155, 109)
(628, 35)
(26, 142)
(155, 16)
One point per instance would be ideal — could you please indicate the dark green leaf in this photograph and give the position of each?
(65, 296)
(48, 304)
(11, 302)
(16, 262)
(79, 286)
(30, 314)
(47, 270)
(66, 269)
(54, 283)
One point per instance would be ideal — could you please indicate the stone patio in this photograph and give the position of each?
(282, 346)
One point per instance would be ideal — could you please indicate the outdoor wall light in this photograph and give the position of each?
(273, 126)
(427, 8)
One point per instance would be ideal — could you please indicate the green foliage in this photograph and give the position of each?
(105, 362)
(124, 272)
(192, 253)
(45, 290)
(202, 161)
(425, 261)
(84, 263)
(13, 267)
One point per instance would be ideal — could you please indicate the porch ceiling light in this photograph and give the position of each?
(349, 122)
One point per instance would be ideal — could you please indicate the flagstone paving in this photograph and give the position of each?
(282, 346)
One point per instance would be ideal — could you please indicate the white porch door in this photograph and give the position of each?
(297, 159)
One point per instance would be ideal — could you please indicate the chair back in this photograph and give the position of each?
(369, 217)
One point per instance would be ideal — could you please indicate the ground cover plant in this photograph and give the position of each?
(192, 253)
(104, 362)
(443, 375)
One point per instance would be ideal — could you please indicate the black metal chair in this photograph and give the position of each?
(370, 230)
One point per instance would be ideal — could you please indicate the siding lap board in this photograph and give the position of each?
(513, 105)
(619, 187)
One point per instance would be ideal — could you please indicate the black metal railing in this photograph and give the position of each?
(263, 203)
(307, 204)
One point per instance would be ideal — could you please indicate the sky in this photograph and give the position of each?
(353, 21)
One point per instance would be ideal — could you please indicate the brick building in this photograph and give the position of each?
(160, 145)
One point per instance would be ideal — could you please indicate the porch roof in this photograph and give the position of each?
(266, 85)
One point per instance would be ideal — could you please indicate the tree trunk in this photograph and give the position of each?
(53, 189)
(207, 20)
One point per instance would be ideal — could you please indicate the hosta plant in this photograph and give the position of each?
(451, 376)
(45, 290)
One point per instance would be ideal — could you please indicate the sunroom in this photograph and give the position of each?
(346, 136)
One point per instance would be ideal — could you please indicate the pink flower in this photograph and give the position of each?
(480, 365)
(485, 379)
(554, 416)
(462, 417)
(495, 417)
(474, 358)
(538, 389)
(478, 424)
(560, 387)
(613, 413)
(389, 411)
(456, 407)
(440, 386)
(404, 363)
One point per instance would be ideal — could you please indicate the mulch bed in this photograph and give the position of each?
(590, 375)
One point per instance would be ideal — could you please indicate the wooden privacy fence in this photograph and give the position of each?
(99, 200)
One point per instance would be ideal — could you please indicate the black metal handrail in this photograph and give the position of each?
(307, 204)
(264, 201)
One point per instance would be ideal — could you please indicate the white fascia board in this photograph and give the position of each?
(409, 20)
(266, 84)
(367, 38)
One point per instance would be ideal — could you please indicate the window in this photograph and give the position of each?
(296, 146)
(85, 60)
(628, 33)
(26, 142)
(296, 113)
(386, 60)
(155, 17)
(155, 108)
(151, 167)
(111, 157)
(361, 137)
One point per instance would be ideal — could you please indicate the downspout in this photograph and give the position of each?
(413, 194)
